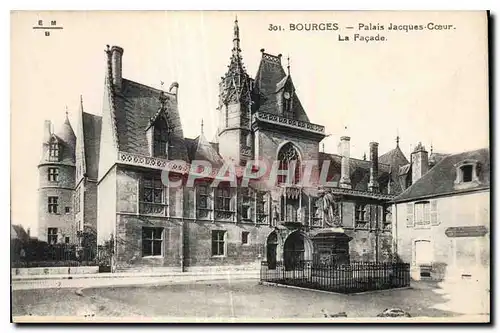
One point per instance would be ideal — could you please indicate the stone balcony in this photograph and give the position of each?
(294, 124)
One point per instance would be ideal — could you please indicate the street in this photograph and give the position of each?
(219, 300)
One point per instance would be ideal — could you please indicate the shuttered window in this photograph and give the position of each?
(434, 213)
(409, 214)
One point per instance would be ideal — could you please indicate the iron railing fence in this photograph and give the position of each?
(59, 255)
(343, 278)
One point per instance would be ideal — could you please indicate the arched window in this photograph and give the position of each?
(287, 157)
(160, 138)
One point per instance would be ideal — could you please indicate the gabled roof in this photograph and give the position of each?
(91, 140)
(396, 159)
(359, 171)
(136, 104)
(201, 149)
(440, 180)
(270, 78)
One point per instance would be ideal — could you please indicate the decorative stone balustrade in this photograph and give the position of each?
(292, 123)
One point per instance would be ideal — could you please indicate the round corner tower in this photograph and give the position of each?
(56, 185)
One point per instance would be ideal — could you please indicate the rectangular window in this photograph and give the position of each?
(360, 213)
(203, 196)
(218, 242)
(223, 199)
(152, 197)
(53, 175)
(152, 190)
(247, 202)
(54, 151)
(52, 205)
(466, 173)
(52, 235)
(244, 237)
(67, 210)
(152, 241)
(422, 213)
(66, 240)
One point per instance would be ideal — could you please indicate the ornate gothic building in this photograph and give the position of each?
(109, 178)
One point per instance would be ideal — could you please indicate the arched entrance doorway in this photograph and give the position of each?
(272, 244)
(297, 250)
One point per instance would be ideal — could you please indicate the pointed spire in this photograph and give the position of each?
(432, 148)
(81, 103)
(201, 126)
(364, 156)
(236, 37)
(397, 141)
(288, 64)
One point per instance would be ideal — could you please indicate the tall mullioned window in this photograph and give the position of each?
(160, 137)
(54, 151)
(53, 174)
(52, 205)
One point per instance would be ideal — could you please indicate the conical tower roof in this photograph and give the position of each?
(66, 133)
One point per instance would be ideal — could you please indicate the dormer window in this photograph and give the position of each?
(54, 151)
(467, 173)
(160, 139)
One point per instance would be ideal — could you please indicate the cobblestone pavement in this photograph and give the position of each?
(223, 300)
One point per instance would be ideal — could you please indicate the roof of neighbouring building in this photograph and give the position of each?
(92, 137)
(136, 105)
(359, 171)
(396, 159)
(440, 180)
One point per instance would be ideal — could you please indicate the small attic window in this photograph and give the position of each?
(466, 171)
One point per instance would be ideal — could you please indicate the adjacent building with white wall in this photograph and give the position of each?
(441, 223)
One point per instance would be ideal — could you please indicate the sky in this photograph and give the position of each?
(425, 86)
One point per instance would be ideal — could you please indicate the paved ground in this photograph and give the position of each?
(220, 300)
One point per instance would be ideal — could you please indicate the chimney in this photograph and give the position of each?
(47, 130)
(419, 162)
(173, 88)
(345, 180)
(116, 66)
(373, 184)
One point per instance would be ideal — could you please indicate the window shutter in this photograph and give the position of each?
(434, 213)
(232, 202)
(409, 215)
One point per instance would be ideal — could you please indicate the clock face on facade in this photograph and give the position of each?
(286, 95)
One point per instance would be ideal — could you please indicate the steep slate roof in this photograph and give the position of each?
(201, 149)
(440, 179)
(436, 157)
(359, 172)
(270, 78)
(92, 138)
(136, 105)
(396, 159)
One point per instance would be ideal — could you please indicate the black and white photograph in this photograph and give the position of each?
(250, 166)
